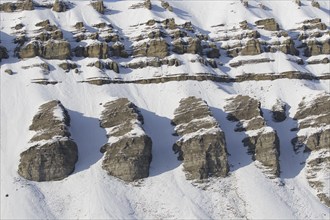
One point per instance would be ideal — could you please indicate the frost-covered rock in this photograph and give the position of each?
(202, 145)
(127, 155)
(53, 154)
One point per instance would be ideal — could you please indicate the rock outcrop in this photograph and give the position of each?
(252, 47)
(51, 49)
(20, 5)
(59, 6)
(146, 4)
(98, 50)
(153, 62)
(268, 24)
(166, 5)
(262, 141)
(128, 151)
(153, 48)
(98, 6)
(53, 154)
(313, 118)
(202, 145)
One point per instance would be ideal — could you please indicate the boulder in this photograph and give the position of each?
(128, 151)
(268, 24)
(202, 145)
(54, 158)
(279, 111)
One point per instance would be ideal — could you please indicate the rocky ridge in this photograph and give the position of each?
(53, 154)
(202, 144)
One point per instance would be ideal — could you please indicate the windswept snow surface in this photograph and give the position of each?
(89, 193)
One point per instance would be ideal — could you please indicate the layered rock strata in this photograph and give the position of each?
(202, 144)
(262, 141)
(53, 154)
(127, 155)
(313, 117)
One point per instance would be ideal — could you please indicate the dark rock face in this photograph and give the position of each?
(3, 53)
(128, 151)
(193, 45)
(154, 48)
(49, 50)
(98, 6)
(262, 141)
(98, 50)
(265, 148)
(314, 113)
(202, 145)
(268, 24)
(51, 161)
(55, 159)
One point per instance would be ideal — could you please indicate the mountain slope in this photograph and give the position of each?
(89, 192)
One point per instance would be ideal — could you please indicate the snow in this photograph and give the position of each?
(89, 193)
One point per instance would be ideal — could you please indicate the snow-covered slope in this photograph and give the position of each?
(92, 194)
